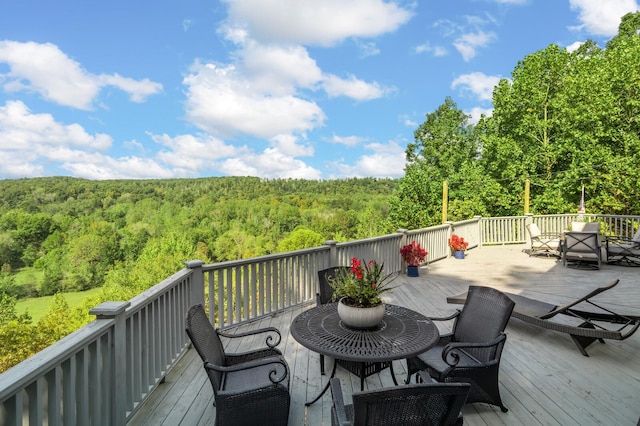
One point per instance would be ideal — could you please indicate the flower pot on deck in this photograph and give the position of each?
(458, 254)
(413, 271)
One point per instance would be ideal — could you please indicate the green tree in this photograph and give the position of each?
(444, 145)
(299, 239)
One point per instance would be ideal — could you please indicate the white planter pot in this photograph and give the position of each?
(360, 318)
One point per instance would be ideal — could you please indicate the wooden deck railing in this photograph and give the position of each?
(103, 372)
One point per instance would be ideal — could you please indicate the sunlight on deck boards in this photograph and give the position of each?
(544, 379)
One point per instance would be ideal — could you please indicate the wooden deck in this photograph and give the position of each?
(544, 378)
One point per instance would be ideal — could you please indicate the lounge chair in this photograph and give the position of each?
(409, 405)
(543, 244)
(588, 328)
(582, 249)
(624, 251)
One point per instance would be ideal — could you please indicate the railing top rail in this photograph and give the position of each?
(431, 228)
(142, 300)
(17, 377)
(259, 259)
(371, 240)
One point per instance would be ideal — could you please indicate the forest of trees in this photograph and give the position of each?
(125, 236)
(562, 121)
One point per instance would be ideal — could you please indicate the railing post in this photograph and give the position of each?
(403, 242)
(333, 253)
(197, 282)
(115, 311)
(479, 236)
(449, 232)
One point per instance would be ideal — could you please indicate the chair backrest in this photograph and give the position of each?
(534, 231)
(581, 242)
(585, 226)
(325, 290)
(636, 237)
(409, 405)
(206, 341)
(484, 316)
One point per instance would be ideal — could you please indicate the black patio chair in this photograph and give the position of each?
(471, 352)
(325, 295)
(408, 405)
(250, 388)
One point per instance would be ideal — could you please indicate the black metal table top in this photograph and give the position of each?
(403, 333)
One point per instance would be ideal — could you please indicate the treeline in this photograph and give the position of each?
(81, 234)
(563, 120)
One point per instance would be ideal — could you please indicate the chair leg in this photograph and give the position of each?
(322, 365)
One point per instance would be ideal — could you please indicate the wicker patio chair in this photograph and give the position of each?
(408, 405)
(624, 251)
(543, 244)
(325, 295)
(582, 249)
(471, 352)
(250, 388)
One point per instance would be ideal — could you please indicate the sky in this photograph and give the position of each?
(310, 89)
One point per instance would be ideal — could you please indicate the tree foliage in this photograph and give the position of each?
(563, 120)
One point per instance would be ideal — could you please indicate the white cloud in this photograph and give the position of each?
(574, 46)
(478, 84)
(278, 70)
(311, 22)
(222, 101)
(387, 160)
(46, 70)
(602, 17)
(367, 48)
(22, 130)
(427, 48)
(271, 163)
(477, 112)
(347, 140)
(354, 88)
(467, 44)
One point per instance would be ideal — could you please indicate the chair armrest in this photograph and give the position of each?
(452, 358)
(621, 240)
(240, 357)
(273, 374)
(340, 411)
(450, 317)
(269, 341)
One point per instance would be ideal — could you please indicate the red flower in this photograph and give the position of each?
(413, 254)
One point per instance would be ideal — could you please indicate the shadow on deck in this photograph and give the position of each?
(544, 379)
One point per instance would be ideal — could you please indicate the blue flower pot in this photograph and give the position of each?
(413, 271)
(458, 254)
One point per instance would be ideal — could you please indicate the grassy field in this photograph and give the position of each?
(38, 306)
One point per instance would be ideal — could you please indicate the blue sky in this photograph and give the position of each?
(313, 89)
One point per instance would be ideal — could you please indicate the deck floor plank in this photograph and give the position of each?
(544, 379)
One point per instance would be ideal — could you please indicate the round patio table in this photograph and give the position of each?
(403, 333)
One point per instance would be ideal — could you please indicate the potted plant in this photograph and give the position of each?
(458, 245)
(413, 255)
(358, 290)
